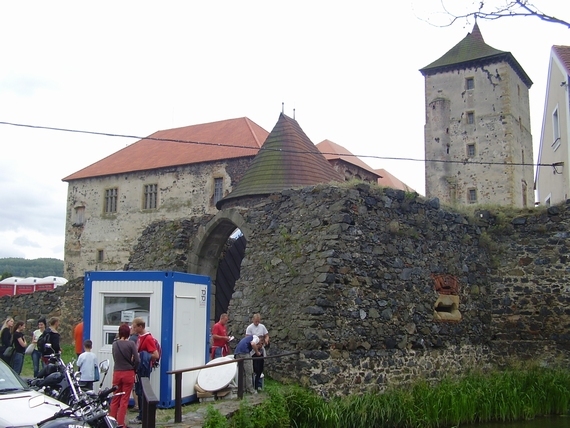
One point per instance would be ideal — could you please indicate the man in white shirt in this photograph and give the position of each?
(259, 330)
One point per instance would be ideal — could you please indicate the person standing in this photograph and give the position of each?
(148, 352)
(53, 340)
(126, 362)
(220, 344)
(260, 331)
(245, 348)
(6, 337)
(78, 338)
(134, 337)
(36, 354)
(86, 363)
(17, 361)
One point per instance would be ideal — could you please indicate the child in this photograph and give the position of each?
(86, 364)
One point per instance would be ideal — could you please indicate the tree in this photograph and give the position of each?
(505, 9)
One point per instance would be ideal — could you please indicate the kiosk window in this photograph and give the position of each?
(121, 309)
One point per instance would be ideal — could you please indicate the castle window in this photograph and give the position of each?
(472, 196)
(79, 217)
(555, 130)
(100, 255)
(111, 196)
(469, 83)
(470, 150)
(150, 196)
(470, 117)
(218, 189)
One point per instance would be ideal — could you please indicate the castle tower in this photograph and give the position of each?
(477, 130)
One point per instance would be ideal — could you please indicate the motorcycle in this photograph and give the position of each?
(58, 380)
(90, 410)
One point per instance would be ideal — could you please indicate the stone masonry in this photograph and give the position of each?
(375, 287)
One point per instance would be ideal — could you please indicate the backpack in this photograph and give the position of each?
(43, 339)
(159, 349)
(154, 363)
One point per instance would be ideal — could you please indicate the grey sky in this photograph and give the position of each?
(349, 69)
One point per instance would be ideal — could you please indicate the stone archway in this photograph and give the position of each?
(210, 242)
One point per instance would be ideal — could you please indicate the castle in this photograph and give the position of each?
(478, 144)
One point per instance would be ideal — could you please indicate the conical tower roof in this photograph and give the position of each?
(286, 160)
(470, 51)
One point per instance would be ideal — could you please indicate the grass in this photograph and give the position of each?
(508, 395)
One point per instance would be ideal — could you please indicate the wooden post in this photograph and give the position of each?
(178, 397)
(241, 375)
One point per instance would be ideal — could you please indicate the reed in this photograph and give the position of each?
(508, 395)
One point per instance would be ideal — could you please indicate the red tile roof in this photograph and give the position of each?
(388, 180)
(288, 159)
(231, 138)
(333, 151)
(563, 54)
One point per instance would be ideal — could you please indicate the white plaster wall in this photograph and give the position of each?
(497, 134)
(183, 191)
(556, 186)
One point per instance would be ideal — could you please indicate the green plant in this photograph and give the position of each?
(243, 418)
(214, 419)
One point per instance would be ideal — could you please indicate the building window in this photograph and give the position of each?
(150, 196)
(100, 256)
(111, 196)
(469, 83)
(472, 196)
(555, 130)
(470, 117)
(218, 189)
(470, 150)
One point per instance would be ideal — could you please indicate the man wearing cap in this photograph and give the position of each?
(247, 347)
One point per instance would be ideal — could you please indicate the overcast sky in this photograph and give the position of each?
(349, 69)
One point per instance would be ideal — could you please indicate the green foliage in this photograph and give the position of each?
(214, 419)
(271, 413)
(509, 395)
(6, 275)
(243, 418)
(24, 268)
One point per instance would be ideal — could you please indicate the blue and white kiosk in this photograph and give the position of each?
(175, 307)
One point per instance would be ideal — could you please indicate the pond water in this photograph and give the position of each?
(550, 422)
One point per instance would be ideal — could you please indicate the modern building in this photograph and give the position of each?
(553, 182)
(478, 143)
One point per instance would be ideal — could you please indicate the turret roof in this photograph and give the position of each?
(287, 159)
(473, 50)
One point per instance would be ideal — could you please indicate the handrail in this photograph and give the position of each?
(149, 401)
(178, 379)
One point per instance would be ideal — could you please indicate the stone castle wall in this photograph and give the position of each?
(376, 287)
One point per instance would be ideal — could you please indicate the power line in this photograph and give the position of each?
(466, 161)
